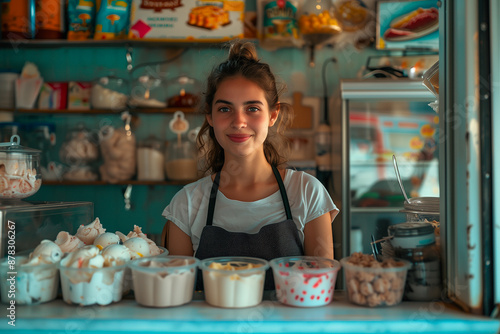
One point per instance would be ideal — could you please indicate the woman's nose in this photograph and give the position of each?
(239, 120)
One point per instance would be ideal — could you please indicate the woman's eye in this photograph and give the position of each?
(253, 109)
(223, 109)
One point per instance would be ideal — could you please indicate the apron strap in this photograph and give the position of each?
(284, 196)
(213, 196)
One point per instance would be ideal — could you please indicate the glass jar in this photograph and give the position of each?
(79, 148)
(109, 92)
(19, 168)
(415, 242)
(183, 92)
(181, 162)
(150, 160)
(317, 21)
(148, 91)
(42, 136)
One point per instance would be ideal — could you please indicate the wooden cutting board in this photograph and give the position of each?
(303, 114)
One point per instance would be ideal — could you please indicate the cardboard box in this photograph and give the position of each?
(53, 95)
(187, 21)
(79, 95)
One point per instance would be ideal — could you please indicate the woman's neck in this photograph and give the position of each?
(247, 180)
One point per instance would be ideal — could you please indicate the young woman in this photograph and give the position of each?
(249, 205)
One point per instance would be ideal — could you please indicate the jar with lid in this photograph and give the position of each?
(415, 242)
(109, 92)
(20, 170)
(78, 152)
(150, 160)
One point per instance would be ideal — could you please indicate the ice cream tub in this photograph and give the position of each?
(164, 281)
(305, 281)
(88, 286)
(233, 282)
(28, 284)
(372, 283)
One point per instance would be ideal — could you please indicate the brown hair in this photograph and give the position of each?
(243, 61)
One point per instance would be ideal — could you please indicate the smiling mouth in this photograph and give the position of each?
(239, 138)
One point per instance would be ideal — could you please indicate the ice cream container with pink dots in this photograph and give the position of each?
(305, 281)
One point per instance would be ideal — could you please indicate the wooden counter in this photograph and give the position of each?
(270, 316)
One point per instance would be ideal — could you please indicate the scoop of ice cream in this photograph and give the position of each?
(80, 258)
(46, 252)
(137, 232)
(67, 242)
(114, 254)
(138, 247)
(106, 239)
(89, 233)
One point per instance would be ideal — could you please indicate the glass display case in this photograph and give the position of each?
(382, 118)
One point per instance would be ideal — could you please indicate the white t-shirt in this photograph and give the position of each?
(308, 200)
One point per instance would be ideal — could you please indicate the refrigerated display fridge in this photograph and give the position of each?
(381, 118)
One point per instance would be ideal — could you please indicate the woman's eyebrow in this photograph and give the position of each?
(246, 102)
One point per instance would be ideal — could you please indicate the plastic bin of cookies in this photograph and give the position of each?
(305, 281)
(233, 282)
(372, 283)
(164, 281)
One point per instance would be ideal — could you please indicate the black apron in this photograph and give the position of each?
(272, 241)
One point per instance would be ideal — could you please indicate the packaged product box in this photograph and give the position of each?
(183, 20)
(53, 95)
(79, 95)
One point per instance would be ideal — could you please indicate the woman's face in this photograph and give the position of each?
(241, 117)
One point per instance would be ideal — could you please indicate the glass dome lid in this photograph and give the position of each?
(14, 147)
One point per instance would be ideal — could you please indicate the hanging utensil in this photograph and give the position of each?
(396, 169)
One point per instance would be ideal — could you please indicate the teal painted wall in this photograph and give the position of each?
(59, 63)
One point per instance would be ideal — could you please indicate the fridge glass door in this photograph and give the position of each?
(385, 118)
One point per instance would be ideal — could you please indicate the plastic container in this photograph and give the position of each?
(416, 242)
(233, 282)
(305, 281)
(181, 161)
(89, 286)
(378, 284)
(109, 93)
(151, 160)
(420, 209)
(34, 284)
(21, 175)
(164, 281)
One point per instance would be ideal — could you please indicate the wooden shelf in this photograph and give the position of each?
(104, 111)
(59, 43)
(104, 183)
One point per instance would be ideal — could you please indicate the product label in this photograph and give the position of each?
(159, 5)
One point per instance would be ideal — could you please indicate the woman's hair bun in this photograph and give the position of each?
(240, 50)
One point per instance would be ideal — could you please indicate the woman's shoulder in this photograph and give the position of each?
(198, 186)
(294, 176)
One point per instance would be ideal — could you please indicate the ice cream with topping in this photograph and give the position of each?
(88, 277)
(106, 239)
(138, 247)
(37, 278)
(88, 233)
(305, 281)
(137, 232)
(233, 282)
(164, 282)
